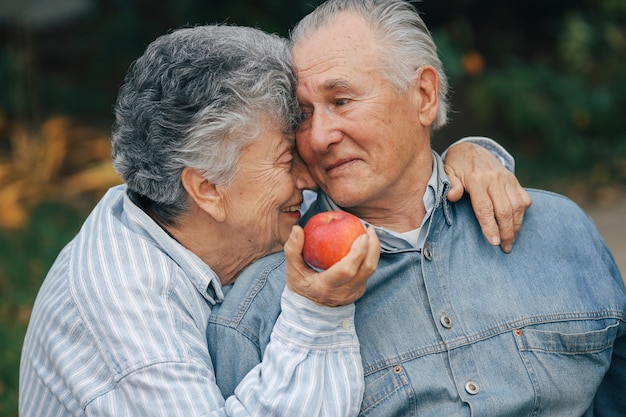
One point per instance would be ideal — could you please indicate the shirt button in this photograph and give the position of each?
(445, 321)
(427, 252)
(471, 387)
(346, 324)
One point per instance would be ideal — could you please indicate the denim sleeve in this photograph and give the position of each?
(233, 358)
(492, 146)
(610, 400)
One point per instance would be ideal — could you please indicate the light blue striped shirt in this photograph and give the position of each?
(118, 329)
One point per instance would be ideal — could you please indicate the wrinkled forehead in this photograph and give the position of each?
(346, 33)
(336, 52)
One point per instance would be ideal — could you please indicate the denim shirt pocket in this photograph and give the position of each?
(566, 361)
(388, 392)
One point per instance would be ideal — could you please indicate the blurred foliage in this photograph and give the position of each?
(544, 77)
(62, 160)
(49, 180)
(25, 256)
(568, 115)
(76, 67)
(553, 93)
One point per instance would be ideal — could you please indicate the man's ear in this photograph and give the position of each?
(427, 83)
(206, 195)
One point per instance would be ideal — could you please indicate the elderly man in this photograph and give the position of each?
(448, 325)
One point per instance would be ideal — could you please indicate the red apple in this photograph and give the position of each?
(328, 237)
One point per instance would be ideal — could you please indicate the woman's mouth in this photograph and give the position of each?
(293, 210)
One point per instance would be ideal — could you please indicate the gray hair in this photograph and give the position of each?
(196, 98)
(405, 40)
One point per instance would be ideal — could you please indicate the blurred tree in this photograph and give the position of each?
(545, 78)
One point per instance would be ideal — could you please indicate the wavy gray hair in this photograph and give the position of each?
(406, 43)
(196, 98)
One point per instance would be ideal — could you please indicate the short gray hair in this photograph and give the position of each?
(406, 40)
(196, 98)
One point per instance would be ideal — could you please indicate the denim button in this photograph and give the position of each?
(427, 252)
(445, 321)
(471, 387)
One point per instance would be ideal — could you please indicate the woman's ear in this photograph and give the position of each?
(206, 195)
(427, 83)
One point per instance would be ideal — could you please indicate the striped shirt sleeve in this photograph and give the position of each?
(311, 367)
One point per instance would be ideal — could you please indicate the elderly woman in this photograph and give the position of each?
(204, 142)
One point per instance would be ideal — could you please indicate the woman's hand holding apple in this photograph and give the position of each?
(344, 281)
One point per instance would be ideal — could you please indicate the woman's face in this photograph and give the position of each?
(263, 201)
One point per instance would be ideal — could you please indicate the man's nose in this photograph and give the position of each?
(323, 131)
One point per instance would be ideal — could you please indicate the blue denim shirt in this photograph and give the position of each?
(460, 328)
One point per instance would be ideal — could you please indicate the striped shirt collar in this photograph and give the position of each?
(201, 275)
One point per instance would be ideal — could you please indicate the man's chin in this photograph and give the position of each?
(344, 196)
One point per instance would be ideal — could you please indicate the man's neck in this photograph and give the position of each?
(399, 216)
(402, 208)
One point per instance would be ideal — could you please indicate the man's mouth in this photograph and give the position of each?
(338, 164)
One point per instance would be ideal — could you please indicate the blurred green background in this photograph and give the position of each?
(545, 78)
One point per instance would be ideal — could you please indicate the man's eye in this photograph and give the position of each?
(341, 101)
(304, 115)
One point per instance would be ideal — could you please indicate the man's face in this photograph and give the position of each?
(361, 137)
